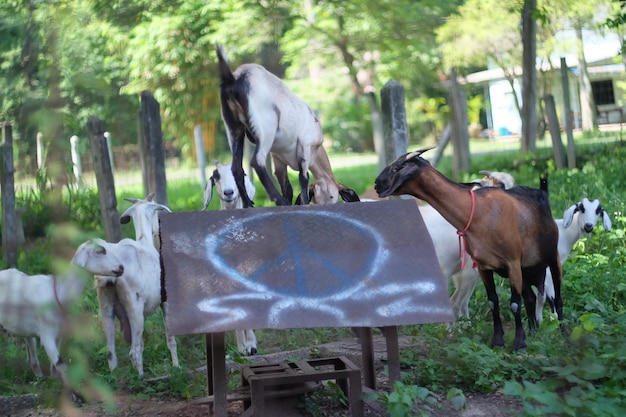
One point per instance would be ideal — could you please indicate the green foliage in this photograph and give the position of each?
(401, 402)
(580, 373)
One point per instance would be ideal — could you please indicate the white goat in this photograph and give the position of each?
(224, 181)
(578, 220)
(131, 296)
(257, 104)
(35, 306)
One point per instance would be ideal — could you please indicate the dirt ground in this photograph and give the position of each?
(477, 405)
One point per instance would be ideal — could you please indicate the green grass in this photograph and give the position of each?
(588, 364)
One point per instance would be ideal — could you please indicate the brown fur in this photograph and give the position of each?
(512, 231)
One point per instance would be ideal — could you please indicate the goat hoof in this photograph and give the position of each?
(253, 351)
(77, 399)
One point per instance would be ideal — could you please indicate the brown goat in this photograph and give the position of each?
(510, 232)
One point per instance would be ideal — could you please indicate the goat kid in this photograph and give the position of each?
(497, 229)
(131, 296)
(579, 219)
(35, 306)
(257, 104)
(224, 181)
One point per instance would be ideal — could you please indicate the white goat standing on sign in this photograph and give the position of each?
(224, 181)
(258, 105)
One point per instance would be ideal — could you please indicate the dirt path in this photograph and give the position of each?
(477, 405)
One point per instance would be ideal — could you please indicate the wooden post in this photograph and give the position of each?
(567, 114)
(395, 130)
(104, 180)
(9, 218)
(107, 136)
(460, 134)
(153, 151)
(77, 166)
(197, 135)
(555, 131)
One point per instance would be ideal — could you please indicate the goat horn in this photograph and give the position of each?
(417, 153)
(485, 172)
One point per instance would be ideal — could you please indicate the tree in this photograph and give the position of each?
(373, 41)
(484, 33)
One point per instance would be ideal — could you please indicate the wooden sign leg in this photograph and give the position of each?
(216, 372)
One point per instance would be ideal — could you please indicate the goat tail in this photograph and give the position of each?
(226, 74)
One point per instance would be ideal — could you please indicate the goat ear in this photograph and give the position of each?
(606, 221)
(208, 193)
(348, 195)
(125, 217)
(132, 200)
(568, 215)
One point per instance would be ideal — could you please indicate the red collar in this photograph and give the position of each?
(461, 233)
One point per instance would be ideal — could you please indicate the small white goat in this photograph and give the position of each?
(35, 306)
(224, 181)
(131, 296)
(257, 104)
(579, 219)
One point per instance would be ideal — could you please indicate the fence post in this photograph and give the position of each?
(197, 135)
(567, 113)
(107, 136)
(395, 130)
(153, 151)
(9, 218)
(41, 151)
(104, 180)
(77, 166)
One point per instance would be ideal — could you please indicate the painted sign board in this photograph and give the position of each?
(366, 264)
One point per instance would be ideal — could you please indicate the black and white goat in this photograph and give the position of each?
(136, 293)
(510, 232)
(224, 182)
(258, 105)
(579, 219)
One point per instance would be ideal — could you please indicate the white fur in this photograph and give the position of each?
(578, 220)
(280, 123)
(30, 309)
(137, 292)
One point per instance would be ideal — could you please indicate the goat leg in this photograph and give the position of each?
(280, 170)
(106, 302)
(519, 342)
(171, 340)
(236, 143)
(498, 331)
(31, 347)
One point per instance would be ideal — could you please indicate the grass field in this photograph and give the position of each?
(580, 374)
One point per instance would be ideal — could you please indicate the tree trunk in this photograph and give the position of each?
(555, 132)
(529, 77)
(460, 134)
